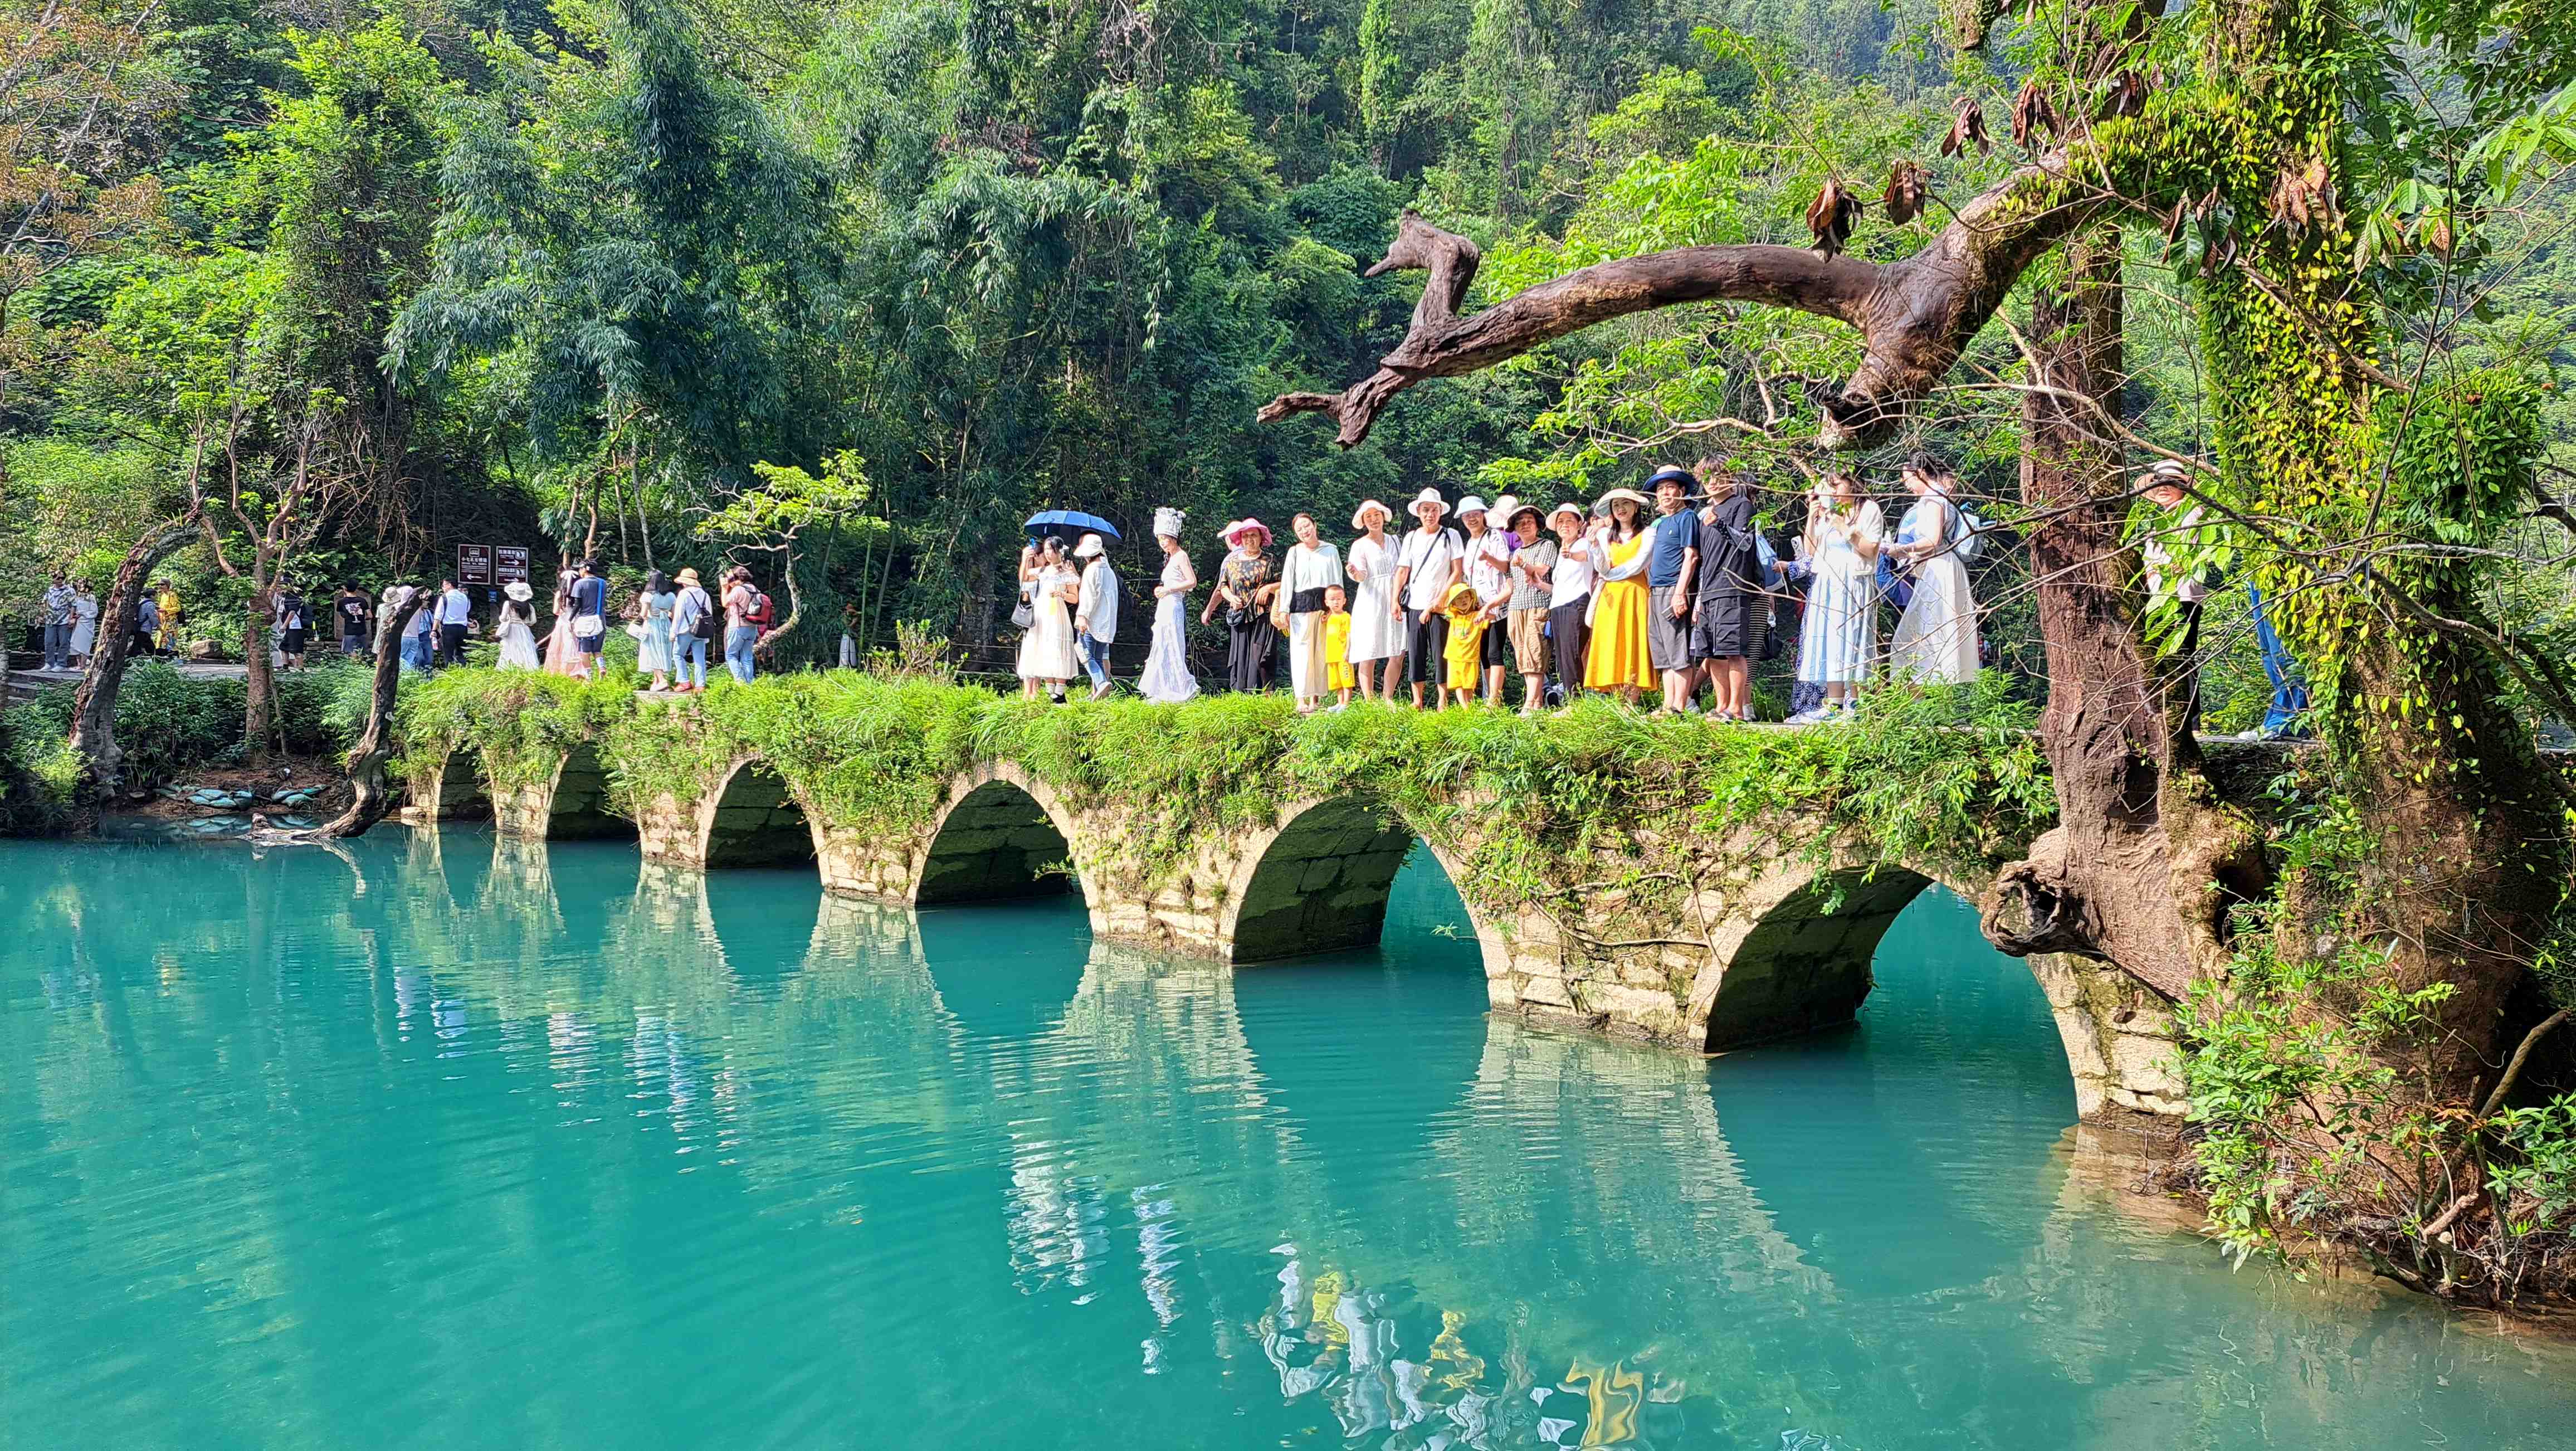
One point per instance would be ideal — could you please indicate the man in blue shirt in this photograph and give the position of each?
(455, 613)
(1671, 553)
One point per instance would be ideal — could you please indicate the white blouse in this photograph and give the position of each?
(1305, 569)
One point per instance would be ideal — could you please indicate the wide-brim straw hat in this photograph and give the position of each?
(1631, 495)
(1359, 516)
(1241, 527)
(688, 576)
(1428, 499)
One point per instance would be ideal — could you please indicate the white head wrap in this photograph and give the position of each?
(1167, 523)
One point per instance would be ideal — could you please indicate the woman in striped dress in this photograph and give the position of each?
(1840, 634)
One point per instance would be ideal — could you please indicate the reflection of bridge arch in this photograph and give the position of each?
(1008, 972)
(1000, 834)
(752, 819)
(1318, 881)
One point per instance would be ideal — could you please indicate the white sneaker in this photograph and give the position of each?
(1805, 717)
(1101, 691)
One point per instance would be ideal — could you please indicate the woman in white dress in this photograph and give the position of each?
(1047, 655)
(1167, 676)
(1312, 567)
(1377, 622)
(1840, 632)
(654, 655)
(84, 624)
(518, 632)
(1936, 638)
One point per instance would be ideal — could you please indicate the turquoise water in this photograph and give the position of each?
(463, 1143)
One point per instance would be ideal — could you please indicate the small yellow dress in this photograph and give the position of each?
(1618, 659)
(1337, 651)
(1467, 626)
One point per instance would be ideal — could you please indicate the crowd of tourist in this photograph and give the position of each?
(1669, 594)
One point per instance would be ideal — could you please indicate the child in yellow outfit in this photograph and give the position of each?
(1465, 653)
(1337, 643)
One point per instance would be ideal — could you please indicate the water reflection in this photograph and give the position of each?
(597, 1155)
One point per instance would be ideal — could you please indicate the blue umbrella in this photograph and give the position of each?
(1070, 521)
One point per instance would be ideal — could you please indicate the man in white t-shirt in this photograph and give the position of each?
(1485, 562)
(1425, 566)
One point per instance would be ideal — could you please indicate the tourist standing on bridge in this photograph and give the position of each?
(1723, 631)
(1485, 566)
(1247, 587)
(1936, 635)
(1425, 567)
(1167, 679)
(693, 624)
(1620, 660)
(84, 623)
(1673, 556)
(1839, 636)
(1095, 612)
(1047, 656)
(517, 627)
(589, 620)
(1569, 599)
(742, 623)
(1312, 568)
(1377, 616)
(654, 655)
(1533, 566)
(455, 616)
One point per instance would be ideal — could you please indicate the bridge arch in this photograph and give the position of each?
(456, 789)
(998, 834)
(1318, 881)
(753, 819)
(1796, 954)
(577, 800)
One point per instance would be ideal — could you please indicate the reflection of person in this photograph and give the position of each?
(1095, 612)
(1167, 678)
(1840, 632)
(1619, 661)
(1377, 617)
(518, 628)
(1936, 636)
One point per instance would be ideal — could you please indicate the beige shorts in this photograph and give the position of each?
(1529, 643)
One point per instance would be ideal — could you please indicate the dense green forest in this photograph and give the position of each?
(566, 277)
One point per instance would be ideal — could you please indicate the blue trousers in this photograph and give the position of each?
(58, 646)
(1095, 658)
(738, 642)
(689, 661)
(2289, 690)
(415, 652)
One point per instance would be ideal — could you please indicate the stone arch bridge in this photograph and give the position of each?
(1775, 938)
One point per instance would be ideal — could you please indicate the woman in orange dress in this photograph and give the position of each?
(1618, 661)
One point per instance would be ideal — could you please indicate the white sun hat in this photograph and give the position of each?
(1359, 516)
(1470, 505)
(1429, 499)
